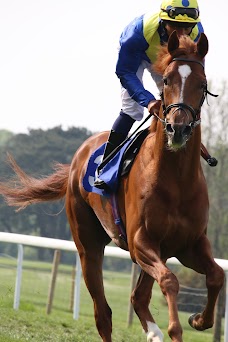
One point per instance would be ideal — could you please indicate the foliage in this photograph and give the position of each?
(5, 136)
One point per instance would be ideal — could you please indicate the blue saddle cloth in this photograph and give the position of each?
(109, 174)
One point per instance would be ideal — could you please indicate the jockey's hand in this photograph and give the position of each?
(154, 106)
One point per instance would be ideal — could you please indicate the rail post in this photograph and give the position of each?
(77, 287)
(18, 278)
(53, 281)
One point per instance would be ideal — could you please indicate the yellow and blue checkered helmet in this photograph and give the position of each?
(184, 11)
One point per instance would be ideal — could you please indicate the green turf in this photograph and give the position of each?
(31, 323)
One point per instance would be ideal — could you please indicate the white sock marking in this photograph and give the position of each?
(154, 334)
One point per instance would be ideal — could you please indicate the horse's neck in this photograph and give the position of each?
(184, 163)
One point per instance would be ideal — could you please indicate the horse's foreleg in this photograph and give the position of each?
(147, 256)
(140, 300)
(200, 259)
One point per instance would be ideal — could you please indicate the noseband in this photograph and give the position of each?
(183, 106)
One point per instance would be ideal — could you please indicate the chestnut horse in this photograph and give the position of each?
(163, 201)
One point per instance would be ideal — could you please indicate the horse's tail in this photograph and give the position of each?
(25, 190)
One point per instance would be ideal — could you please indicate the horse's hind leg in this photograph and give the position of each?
(90, 239)
(140, 300)
(92, 271)
(200, 259)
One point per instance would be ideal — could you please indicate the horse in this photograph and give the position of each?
(163, 200)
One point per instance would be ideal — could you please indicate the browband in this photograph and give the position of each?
(187, 60)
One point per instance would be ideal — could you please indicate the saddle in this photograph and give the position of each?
(119, 165)
(132, 150)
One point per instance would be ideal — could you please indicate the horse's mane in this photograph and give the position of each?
(186, 47)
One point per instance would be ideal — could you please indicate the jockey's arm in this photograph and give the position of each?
(131, 54)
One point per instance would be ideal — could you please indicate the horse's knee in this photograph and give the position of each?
(169, 283)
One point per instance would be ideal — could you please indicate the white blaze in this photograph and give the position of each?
(184, 71)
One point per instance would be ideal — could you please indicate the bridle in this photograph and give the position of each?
(183, 106)
(179, 106)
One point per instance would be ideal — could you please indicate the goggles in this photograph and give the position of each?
(173, 12)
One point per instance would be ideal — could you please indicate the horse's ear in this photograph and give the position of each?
(173, 42)
(202, 45)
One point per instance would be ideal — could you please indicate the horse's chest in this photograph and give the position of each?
(176, 214)
(181, 223)
(186, 213)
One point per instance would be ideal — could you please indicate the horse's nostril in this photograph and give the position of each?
(169, 128)
(179, 130)
(187, 130)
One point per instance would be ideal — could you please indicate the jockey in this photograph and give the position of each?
(139, 43)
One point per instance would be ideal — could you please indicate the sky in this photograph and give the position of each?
(58, 57)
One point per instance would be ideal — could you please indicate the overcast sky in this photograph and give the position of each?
(57, 59)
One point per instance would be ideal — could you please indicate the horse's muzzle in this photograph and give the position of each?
(178, 134)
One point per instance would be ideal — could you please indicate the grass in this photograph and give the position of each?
(31, 323)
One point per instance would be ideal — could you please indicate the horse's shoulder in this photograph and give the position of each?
(149, 142)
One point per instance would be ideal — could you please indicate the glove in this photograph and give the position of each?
(154, 106)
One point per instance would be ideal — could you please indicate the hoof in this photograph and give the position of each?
(194, 320)
(191, 319)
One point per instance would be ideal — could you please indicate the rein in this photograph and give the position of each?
(183, 106)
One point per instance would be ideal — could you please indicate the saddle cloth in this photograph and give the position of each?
(118, 166)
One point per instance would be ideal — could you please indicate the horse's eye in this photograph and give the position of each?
(165, 80)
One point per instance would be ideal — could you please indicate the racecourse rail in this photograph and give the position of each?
(66, 245)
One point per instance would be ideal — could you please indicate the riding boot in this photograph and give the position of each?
(114, 140)
(209, 159)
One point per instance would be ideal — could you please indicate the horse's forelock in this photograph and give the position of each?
(186, 47)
